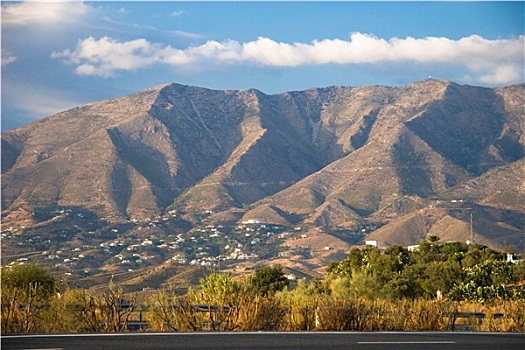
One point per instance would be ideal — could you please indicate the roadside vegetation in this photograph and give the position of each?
(449, 286)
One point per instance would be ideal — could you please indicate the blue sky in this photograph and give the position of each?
(59, 55)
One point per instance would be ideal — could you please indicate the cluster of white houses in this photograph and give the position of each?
(205, 246)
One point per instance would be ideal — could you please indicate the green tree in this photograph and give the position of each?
(519, 272)
(364, 284)
(428, 251)
(455, 251)
(441, 276)
(26, 292)
(477, 254)
(392, 262)
(221, 295)
(24, 276)
(267, 280)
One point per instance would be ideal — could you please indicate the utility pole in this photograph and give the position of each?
(471, 227)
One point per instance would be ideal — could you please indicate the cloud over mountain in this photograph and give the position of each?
(489, 61)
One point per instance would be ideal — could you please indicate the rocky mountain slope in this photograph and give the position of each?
(404, 159)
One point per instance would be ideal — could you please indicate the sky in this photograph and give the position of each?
(58, 55)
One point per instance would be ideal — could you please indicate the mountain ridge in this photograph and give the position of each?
(340, 159)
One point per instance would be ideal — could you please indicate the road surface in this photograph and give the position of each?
(270, 340)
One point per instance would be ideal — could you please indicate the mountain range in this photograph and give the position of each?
(430, 158)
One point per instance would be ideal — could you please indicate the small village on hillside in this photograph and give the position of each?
(89, 249)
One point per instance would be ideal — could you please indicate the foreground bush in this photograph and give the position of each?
(366, 292)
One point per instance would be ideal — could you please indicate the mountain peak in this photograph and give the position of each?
(333, 156)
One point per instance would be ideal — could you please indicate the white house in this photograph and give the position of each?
(510, 258)
(372, 243)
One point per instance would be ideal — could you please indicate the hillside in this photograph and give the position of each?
(343, 164)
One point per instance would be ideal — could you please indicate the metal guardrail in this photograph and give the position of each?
(469, 315)
(140, 325)
(475, 315)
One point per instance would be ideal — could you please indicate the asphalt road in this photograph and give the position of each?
(270, 340)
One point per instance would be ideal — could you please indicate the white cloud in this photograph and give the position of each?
(29, 12)
(503, 75)
(177, 13)
(105, 56)
(492, 61)
(184, 35)
(7, 57)
(473, 51)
